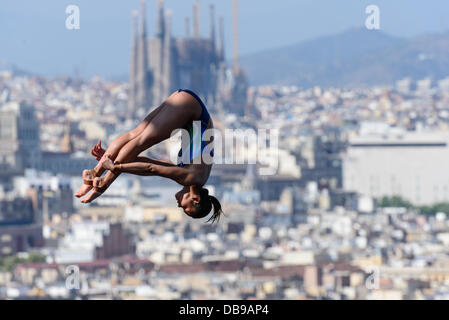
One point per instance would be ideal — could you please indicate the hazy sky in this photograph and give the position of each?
(33, 35)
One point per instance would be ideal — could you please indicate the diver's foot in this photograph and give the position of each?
(91, 197)
(99, 187)
(88, 177)
(83, 190)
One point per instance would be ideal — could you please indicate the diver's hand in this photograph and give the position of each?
(98, 151)
(107, 163)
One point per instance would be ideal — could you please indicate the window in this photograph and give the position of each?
(6, 250)
(6, 238)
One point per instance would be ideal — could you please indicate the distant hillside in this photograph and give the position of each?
(357, 56)
(5, 66)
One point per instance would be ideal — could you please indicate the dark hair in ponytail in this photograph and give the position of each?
(205, 206)
(217, 210)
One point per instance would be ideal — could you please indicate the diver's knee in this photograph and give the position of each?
(145, 142)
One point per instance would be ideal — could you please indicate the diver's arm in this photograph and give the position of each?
(138, 168)
(154, 161)
(183, 176)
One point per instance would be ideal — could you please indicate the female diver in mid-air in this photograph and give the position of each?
(179, 111)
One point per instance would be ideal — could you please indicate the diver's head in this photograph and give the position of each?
(197, 203)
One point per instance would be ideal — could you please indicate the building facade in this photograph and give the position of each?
(19, 138)
(20, 145)
(20, 226)
(412, 165)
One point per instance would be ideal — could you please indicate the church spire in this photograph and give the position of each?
(160, 26)
(221, 46)
(143, 26)
(235, 35)
(212, 25)
(187, 27)
(133, 67)
(196, 19)
(167, 49)
(143, 94)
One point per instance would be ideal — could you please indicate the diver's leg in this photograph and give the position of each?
(113, 150)
(177, 112)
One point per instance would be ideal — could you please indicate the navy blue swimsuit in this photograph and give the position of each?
(204, 120)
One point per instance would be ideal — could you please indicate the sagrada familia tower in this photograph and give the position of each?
(164, 63)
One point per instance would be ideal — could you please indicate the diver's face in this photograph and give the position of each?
(185, 201)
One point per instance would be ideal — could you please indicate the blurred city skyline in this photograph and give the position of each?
(357, 208)
(40, 28)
